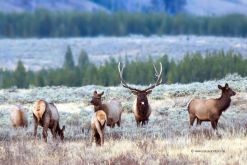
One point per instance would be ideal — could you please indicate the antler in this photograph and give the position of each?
(159, 79)
(123, 82)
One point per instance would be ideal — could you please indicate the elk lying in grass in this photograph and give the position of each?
(98, 122)
(211, 109)
(141, 106)
(18, 117)
(46, 115)
(113, 109)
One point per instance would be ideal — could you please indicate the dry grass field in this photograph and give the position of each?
(167, 139)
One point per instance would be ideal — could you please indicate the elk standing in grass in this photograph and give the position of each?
(18, 117)
(141, 106)
(211, 109)
(113, 109)
(46, 115)
(98, 122)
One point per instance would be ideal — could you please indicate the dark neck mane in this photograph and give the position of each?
(142, 110)
(98, 107)
(223, 102)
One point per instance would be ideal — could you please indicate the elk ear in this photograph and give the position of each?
(95, 92)
(63, 128)
(134, 92)
(149, 92)
(226, 85)
(101, 93)
(220, 87)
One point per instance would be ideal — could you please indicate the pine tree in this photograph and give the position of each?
(83, 60)
(69, 61)
(20, 76)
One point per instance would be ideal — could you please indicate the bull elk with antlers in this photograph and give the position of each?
(141, 106)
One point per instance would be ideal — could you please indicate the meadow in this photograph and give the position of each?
(41, 53)
(167, 139)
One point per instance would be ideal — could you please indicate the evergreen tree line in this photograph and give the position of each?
(43, 23)
(193, 67)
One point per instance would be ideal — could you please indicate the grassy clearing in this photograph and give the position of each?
(167, 138)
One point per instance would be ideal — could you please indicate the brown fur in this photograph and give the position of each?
(113, 109)
(39, 109)
(141, 107)
(48, 119)
(18, 117)
(211, 109)
(97, 127)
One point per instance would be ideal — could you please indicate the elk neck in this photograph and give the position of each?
(98, 107)
(101, 107)
(142, 107)
(223, 102)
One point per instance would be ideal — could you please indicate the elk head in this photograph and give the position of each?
(96, 99)
(142, 101)
(227, 91)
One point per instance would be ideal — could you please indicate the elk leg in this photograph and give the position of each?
(138, 123)
(54, 129)
(100, 132)
(35, 128)
(198, 121)
(45, 132)
(192, 119)
(97, 139)
(216, 122)
(144, 122)
(214, 125)
(119, 121)
(53, 134)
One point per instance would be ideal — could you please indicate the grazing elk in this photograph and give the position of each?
(46, 115)
(98, 122)
(113, 109)
(141, 107)
(18, 117)
(211, 109)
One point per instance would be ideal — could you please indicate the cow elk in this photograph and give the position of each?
(46, 115)
(141, 107)
(98, 122)
(113, 109)
(211, 109)
(18, 117)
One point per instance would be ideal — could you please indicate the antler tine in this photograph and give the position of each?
(159, 75)
(123, 82)
(159, 78)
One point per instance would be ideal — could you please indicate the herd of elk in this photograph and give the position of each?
(46, 114)
(141, 106)
(211, 109)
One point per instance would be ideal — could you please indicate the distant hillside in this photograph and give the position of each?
(216, 7)
(195, 7)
